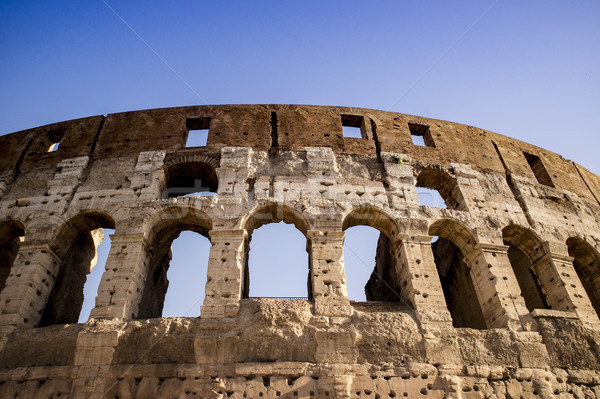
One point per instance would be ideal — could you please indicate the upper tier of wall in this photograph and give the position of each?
(283, 127)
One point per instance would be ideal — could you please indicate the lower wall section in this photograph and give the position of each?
(298, 380)
(282, 349)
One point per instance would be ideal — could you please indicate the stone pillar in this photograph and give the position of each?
(28, 287)
(225, 274)
(122, 284)
(419, 278)
(562, 286)
(328, 281)
(496, 286)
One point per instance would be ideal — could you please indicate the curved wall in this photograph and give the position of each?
(495, 294)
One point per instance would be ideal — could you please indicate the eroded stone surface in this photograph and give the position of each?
(494, 296)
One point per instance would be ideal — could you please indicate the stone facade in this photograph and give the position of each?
(496, 295)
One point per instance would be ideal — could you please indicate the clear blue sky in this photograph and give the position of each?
(529, 70)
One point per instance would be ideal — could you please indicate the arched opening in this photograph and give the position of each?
(277, 263)
(586, 261)
(78, 240)
(11, 235)
(370, 268)
(451, 241)
(190, 178)
(92, 282)
(439, 189)
(179, 256)
(186, 277)
(524, 249)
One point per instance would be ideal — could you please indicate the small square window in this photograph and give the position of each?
(352, 126)
(421, 135)
(54, 137)
(197, 131)
(539, 171)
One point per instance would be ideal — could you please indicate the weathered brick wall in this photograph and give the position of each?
(518, 218)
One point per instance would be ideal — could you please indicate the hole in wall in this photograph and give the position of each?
(538, 169)
(352, 126)
(421, 135)
(197, 131)
(55, 137)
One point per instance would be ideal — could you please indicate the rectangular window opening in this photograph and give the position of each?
(539, 171)
(197, 131)
(421, 135)
(352, 126)
(55, 136)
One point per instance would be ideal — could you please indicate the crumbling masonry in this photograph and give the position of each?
(496, 295)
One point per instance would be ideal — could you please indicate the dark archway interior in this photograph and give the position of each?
(524, 249)
(190, 177)
(10, 239)
(587, 265)
(79, 240)
(531, 290)
(457, 285)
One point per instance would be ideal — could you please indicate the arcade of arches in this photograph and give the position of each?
(449, 246)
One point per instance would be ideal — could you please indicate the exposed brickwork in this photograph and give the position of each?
(503, 304)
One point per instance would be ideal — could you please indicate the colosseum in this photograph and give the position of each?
(495, 295)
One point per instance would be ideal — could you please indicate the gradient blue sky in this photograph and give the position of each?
(528, 70)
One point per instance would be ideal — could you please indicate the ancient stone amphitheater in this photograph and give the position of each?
(495, 295)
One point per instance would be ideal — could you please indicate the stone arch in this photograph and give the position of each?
(163, 228)
(76, 242)
(586, 261)
(11, 234)
(444, 184)
(526, 240)
(275, 213)
(189, 176)
(266, 214)
(384, 282)
(455, 231)
(525, 248)
(371, 216)
(455, 243)
(183, 158)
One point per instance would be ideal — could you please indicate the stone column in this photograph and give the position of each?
(328, 281)
(496, 286)
(419, 278)
(28, 287)
(122, 285)
(225, 274)
(562, 286)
